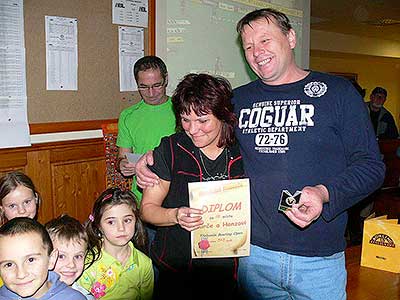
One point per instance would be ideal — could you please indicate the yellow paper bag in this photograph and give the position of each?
(381, 244)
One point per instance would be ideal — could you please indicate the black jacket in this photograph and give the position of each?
(171, 247)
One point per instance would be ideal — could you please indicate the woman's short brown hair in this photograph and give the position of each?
(207, 94)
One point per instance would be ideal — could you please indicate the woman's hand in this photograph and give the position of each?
(189, 218)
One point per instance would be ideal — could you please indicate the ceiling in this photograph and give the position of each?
(366, 18)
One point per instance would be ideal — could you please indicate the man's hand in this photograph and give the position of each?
(309, 207)
(144, 176)
(126, 168)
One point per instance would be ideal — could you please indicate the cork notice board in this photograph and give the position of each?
(98, 96)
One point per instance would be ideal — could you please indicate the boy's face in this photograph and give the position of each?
(71, 259)
(24, 264)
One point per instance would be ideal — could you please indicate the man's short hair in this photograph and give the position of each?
(22, 225)
(150, 62)
(270, 14)
(379, 90)
(67, 228)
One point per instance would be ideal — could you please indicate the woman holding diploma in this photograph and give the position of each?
(204, 150)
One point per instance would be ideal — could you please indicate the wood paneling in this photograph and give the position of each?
(14, 161)
(392, 161)
(76, 186)
(69, 175)
(77, 153)
(38, 167)
(387, 202)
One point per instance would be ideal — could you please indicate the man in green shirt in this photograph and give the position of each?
(142, 125)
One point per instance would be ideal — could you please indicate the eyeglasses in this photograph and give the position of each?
(156, 86)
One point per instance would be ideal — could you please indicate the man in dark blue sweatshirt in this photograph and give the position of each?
(310, 152)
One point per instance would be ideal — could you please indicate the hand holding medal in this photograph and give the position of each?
(304, 206)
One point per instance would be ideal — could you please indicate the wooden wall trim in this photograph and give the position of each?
(54, 127)
(152, 27)
(20, 153)
(77, 153)
(13, 160)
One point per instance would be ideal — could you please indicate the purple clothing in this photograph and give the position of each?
(58, 290)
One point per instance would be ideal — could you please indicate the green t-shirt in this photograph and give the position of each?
(141, 127)
(107, 278)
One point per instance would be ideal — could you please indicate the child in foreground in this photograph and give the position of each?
(71, 241)
(18, 198)
(118, 269)
(26, 256)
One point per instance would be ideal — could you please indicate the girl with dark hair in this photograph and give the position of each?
(205, 150)
(117, 269)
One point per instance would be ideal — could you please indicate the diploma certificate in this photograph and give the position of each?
(226, 215)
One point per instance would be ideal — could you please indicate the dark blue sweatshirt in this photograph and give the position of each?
(314, 131)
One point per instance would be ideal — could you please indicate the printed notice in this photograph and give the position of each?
(131, 48)
(226, 215)
(12, 24)
(130, 12)
(61, 53)
(14, 126)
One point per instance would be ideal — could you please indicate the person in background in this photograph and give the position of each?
(26, 256)
(117, 267)
(206, 150)
(142, 125)
(18, 197)
(382, 120)
(305, 135)
(70, 239)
